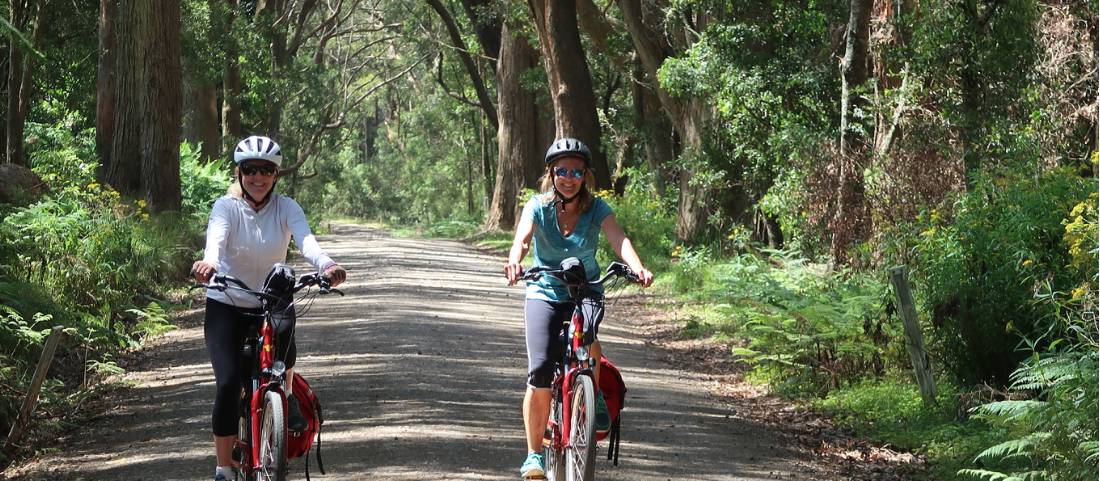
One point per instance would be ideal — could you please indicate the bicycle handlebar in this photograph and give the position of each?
(221, 282)
(615, 269)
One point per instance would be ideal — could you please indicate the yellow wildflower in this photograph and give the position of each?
(144, 216)
(1079, 292)
(93, 186)
(141, 203)
(1027, 262)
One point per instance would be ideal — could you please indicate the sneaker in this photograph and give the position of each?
(294, 419)
(533, 467)
(225, 475)
(603, 416)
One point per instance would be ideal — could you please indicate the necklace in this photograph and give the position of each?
(566, 225)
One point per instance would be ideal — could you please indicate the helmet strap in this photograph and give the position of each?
(562, 200)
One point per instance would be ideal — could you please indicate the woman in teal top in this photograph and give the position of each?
(564, 221)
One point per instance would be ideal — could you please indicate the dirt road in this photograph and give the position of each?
(421, 370)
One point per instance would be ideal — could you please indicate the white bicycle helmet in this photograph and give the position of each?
(258, 147)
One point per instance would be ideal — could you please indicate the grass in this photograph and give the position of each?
(890, 411)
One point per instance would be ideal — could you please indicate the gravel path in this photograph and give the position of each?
(420, 369)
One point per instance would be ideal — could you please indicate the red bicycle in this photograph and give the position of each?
(263, 393)
(569, 447)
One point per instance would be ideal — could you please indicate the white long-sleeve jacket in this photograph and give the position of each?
(244, 244)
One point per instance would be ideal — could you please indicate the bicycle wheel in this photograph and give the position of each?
(555, 462)
(272, 440)
(580, 454)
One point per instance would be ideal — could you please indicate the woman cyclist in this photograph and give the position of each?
(249, 231)
(564, 221)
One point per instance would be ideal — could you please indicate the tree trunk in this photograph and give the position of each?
(854, 71)
(160, 145)
(123, 170)
(467, 61)
(487, 26)
(106, 84)
(231, 83)
(657, 131)
(847, 220)
(201, 127)
(517, 133)
(144, 157)
(688, 117)
(570, 82)
(20, 67)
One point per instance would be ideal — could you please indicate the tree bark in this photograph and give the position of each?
(20, 68)
(144, 157)
(570, 81)
(657, 131)
(688, 116)
(231, 82)
(106, 84)
(202, 117)
(487, 26)
(517, 133)
(160, 146)
(847, 218)
(854, 71)
(464, 54)
(123, 170)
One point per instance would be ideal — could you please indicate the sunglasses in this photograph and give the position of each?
(563, 172)
(267, 170)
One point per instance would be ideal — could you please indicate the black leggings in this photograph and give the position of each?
(226, 328)
(544, 321)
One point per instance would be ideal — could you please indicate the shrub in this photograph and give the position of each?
(978, 272)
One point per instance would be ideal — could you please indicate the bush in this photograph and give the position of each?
(978, 272)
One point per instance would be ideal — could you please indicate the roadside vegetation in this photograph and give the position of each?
(769, 186)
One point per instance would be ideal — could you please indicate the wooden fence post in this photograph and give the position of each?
(25, 411)
(914, 340)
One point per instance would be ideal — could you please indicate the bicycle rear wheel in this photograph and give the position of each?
(272, 440)
(580, 454)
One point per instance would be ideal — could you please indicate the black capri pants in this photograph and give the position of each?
(225, 329)
(544, 321)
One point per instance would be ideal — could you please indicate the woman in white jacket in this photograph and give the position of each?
(249, 231)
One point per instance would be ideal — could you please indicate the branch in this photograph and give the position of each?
(456, 38)
(443, 83)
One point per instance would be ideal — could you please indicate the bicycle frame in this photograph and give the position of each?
(569, 368)
(263, 381)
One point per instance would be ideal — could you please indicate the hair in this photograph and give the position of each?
(584, 197)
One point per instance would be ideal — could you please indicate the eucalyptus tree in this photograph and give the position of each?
(141, 121)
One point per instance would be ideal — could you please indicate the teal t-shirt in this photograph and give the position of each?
(549, 247)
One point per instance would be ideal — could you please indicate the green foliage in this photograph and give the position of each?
(979, 272)
(803, 327)
(890, 411)
(647, 221)
(201, 182)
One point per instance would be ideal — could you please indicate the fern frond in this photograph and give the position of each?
(1012, 449)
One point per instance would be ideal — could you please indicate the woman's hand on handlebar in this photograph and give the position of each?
(336, 275)
(645, 278)
(513, 271)
(202, 271)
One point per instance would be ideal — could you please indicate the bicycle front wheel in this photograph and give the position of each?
(555, 461)
(272, 440)
(580, 454)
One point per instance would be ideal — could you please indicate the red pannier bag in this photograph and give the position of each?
(614, 394)
(299, 442)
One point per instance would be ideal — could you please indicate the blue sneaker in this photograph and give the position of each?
(603, 417)
(533, 466)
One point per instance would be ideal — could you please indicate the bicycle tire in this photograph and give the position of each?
(580, 455)
(272, 440)
(554, 458)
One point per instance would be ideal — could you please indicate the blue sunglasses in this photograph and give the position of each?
(563, 172)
